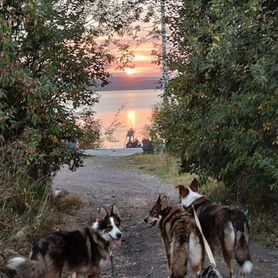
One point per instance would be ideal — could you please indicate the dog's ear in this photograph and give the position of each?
(158, 199)
(102, 214)
(183, 192)
(194, 186)
(164, 202)
(115, 211)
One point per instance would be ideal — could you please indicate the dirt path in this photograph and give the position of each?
(105, 180)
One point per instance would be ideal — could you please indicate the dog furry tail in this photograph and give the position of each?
(26, 267)
(242, 254)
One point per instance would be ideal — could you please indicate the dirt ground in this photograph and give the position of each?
(106, 180)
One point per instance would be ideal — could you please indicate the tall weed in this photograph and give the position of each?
(22, 200)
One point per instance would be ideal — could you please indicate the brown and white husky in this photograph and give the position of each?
(226, 225)
(180, 235)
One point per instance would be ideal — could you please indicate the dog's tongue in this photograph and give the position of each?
(118, 242)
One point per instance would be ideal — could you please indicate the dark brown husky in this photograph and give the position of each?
(180, 235)
(77, 252)
(226, 225)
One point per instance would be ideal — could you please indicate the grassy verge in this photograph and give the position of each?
(23, 223)
(27, 208)
(263, 226)
(163, 166)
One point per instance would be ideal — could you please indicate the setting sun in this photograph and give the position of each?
(141, 58)
(129, 71)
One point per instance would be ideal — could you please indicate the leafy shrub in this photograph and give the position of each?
(47, 63)
(221, 116)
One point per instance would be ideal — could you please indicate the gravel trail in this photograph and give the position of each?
(106, 180)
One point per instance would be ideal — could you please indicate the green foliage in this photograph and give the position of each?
(27, 209)
(47, 62)
(162, 165)
(90, 128)
(221, 119)
(21, 202)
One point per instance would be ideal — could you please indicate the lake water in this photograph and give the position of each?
(134, 109)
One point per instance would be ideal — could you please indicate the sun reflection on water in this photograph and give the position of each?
(131, 118)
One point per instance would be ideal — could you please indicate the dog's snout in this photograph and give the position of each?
(118, 235)
(146, 219)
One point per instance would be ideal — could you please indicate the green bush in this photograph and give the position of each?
(221, 116)
(48, 60)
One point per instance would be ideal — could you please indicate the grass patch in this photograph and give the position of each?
(263, 226)
(162, 165)
(68, 204)
(56, 211)
(18, 230)
(27, 208)
(167, 168)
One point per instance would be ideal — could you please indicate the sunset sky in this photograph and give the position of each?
(142, 62)
(132, 92)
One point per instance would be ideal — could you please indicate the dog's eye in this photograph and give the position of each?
(117, 223)
(109, 226)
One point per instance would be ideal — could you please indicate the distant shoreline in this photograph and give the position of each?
(117, 90)
(119, 83)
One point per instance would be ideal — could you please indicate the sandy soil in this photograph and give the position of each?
(105, 180)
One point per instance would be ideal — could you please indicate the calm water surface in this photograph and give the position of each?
(135, 109)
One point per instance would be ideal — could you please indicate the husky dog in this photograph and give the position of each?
(76, 252)
(226, 225)
(180, 235)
